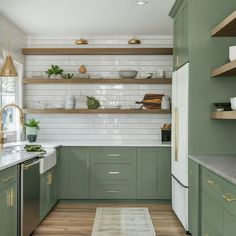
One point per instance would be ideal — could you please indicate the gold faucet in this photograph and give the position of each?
(21, 120)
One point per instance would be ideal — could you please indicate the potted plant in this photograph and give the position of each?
(67, 76)
(32, 127)
(92, 103)
(54, 72)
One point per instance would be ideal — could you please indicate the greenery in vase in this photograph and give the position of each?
(54, 70)
(92, 103)
(32, 123)
(67, 76)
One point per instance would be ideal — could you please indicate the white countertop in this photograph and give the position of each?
(9, 158)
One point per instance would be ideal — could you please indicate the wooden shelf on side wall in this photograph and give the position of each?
(224, 115)
(97, 81)
(227, 28)
(228, 69)
(97, 51)
(96, 111)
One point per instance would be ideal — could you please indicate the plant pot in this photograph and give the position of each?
(55, 76)
(31, 133)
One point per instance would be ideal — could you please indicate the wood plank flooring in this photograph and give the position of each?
(76, 218)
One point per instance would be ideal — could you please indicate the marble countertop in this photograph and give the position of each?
(11, 157)
(224, 166)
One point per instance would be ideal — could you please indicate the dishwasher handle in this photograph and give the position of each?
(27, 165)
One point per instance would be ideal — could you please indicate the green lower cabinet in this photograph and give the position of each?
(113, 173)
(8, 203)
(153, 173)
(194, 199)
(48, 191)
(73, 173)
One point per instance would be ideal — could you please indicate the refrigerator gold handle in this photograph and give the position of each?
(176, 134)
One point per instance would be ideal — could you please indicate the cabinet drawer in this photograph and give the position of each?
(113, 155)
(219, 189)
(111, 191)
(8, 176)
(110, 171)
(212, 213)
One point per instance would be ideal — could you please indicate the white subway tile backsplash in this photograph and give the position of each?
(98, 129)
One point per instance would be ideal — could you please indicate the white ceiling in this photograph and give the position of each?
(89, 16)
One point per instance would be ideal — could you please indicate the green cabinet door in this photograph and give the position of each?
(153, 173)
(181, 35)
(8, 210)
(193, 202)
(208, 230)
(73, 173)
(229, 224)
(48, 192)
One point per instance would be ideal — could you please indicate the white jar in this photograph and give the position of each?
(233, 103)
(69, 102)
(165, 103)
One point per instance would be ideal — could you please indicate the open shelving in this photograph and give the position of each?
(224, 115)
(97, 81)
(228, 69)
(97, 51)
(96, 111)
(227, 28)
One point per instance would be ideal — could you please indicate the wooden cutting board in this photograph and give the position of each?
(152, 101)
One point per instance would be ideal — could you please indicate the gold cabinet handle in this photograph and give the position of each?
(177, 61)
(176, 134)
(113, 155)
(12, 197)
(112, 191)
(49, 179)
(229, 198)
(206, 234)
(114, 172)
(213, 184)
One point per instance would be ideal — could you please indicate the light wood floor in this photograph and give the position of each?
(76, 218)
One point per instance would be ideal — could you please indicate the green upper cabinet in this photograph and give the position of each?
(73, 173)
(8, 202)
(153, 173)
(194, 204)
(48, 191)
(179, 13)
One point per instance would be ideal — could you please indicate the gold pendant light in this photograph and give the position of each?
(8, 69)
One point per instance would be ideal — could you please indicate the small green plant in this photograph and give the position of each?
(92, 103)
(32, 123)
(67, 76)
(54, 70)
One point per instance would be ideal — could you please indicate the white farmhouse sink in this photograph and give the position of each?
(49, 160)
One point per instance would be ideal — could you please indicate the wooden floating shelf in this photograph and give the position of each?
(227, 28)
(96, 111)
(97, 81)
(228, 69)
(98, 51)
(224, 115)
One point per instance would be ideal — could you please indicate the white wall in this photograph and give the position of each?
(11, 37)
(98, 129)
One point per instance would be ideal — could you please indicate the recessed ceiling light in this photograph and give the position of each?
(141, 2)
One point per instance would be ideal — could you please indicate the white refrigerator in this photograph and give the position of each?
(179, 150)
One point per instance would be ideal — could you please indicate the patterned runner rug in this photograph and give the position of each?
(123, 222)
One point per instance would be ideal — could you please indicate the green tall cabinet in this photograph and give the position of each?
(73, 173)
(180, 15)
(153, 173)
(8, 202)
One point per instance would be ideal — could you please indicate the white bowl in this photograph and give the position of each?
(128, 73)
(232, 53)
(233, 103)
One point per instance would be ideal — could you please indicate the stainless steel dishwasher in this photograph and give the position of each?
(30, 196)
